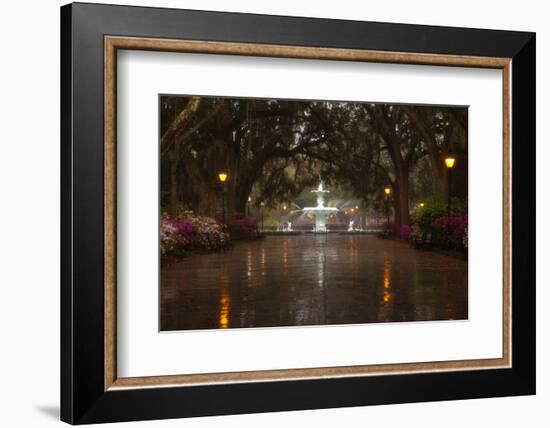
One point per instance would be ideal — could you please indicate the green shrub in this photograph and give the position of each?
(434, 209)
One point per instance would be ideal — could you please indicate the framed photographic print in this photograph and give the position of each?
(266, 213)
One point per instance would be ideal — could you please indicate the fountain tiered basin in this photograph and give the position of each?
(320, 212)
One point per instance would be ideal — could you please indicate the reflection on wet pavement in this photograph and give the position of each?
(312, 280)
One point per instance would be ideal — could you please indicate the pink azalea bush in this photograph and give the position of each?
(452, 230)
(242, 228)
(210, 235)
(431, 223)
(186, 233)
(176, 235)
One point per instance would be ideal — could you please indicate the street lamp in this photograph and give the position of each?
(449, 164)
(281, 216)
(248, 206)
(422, 204)
(387, 191)
(262, 204)
(223, 178)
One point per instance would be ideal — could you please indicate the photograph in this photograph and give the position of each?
(290, 212)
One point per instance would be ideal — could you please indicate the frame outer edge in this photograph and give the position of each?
(66, 210)
(241, 27)
(83, 397)
(524, 215)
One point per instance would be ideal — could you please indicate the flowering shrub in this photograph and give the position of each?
(434, 209)
(242, 228)
(167, 236)
(176, 235)
(210, 235)
(431, 222)
(452, 230)
(189, 233)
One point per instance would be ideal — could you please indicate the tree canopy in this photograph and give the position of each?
(272, 150)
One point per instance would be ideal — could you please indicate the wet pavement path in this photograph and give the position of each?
(312, 280)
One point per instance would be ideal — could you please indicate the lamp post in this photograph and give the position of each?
(262, 204)
(449, 164)
(248, 206)
(387, 191)
(223, 178)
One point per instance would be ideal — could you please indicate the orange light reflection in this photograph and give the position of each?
(225, 302)
(386, 281)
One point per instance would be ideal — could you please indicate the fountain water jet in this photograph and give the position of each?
(320, 212)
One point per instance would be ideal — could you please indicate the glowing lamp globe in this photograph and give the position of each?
(449, 161)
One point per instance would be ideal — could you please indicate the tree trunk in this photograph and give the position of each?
(394, 203)
(208, 202)
(401, 194)
(403, 199)
(434, 151)
(386, 130)
(174, 200)
(396, 209)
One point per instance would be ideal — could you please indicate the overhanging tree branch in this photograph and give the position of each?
(179, 122)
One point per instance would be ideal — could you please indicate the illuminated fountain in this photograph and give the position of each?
(320, 212)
